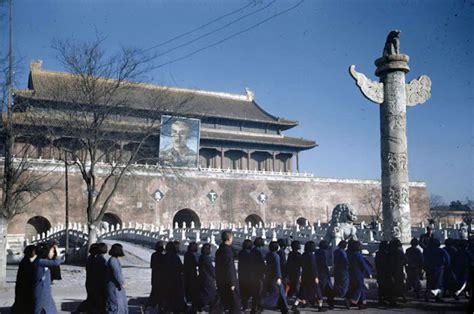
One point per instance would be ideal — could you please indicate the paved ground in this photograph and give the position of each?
(70, 291)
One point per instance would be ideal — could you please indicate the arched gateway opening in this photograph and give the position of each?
(186, 216)
(110, 219)
(302, 221)
(254, 220)
(36, 225)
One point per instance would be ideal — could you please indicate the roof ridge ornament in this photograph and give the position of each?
(35, 65)
(250, 94)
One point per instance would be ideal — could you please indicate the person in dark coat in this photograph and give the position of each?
(309, 290)
(426, 238)
(157, 273)
(397, 262)
(435, 261)
(462, 265)
(226, 276)
(116, 302)
(414, 267)
(273, 291)
(24, 283)
(341, 270)
(359, 267)
(450, 282)
(384, 278)
(55, 270)
(99, 269)
(293, 268)
(191, 285)
(245, 273)
(207, 299)
(257, 272)
(322, 256)
(283, 244)
(174, 293)
(42, 297)
(86, 305)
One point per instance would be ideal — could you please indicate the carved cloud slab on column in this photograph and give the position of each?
(418, 91)
(372, 90)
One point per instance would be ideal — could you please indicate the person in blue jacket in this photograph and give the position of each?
(341, 270)
(207, 299)
(116, 302)
(273, 291)
(414, 267)
(435, 261)
(450, 281)
(309, 290)
(293, 268)
(42, 297)
(322, 255)
(359, 267)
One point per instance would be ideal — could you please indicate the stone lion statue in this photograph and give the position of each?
(341, 224)
(392, 44)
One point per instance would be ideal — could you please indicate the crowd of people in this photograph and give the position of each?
(263, 277)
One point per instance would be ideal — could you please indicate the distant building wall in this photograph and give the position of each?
(273, 197)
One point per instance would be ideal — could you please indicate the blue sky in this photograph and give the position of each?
(297, 65)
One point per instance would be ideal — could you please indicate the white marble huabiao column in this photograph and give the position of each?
(394, 95)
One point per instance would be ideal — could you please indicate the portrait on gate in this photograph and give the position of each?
(179, 142)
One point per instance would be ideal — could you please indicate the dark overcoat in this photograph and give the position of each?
(245, 274)
(325, 283)
(384, 278)
(174, 295)
(191, 284)
(462, 265)
(24, 288)
(158, 285)
(98, 285)
(449, 276)
(309, 289)
(293, 268)
(341, 272)
(435, 261)
(413, 268)
(397, 262)
(116, 302)
(207, 281)
(282, 254)
(359, 267)
(42, 298)
(226, 277)
(273, 293)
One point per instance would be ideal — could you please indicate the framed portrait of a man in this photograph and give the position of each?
(179, 142)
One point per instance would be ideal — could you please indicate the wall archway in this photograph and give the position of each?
(186, 215)
(254, 220)
(36, 225)
(302, 221)
(110, 220)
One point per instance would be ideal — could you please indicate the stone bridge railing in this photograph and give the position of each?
(148, 234)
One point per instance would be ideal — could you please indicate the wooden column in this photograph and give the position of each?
(297, 162)
(248, 159)
(222, 158)
(273, 155)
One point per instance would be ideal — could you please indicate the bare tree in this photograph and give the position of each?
(91, 114)
(436, 200)
(20, 185)
(373, 200)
